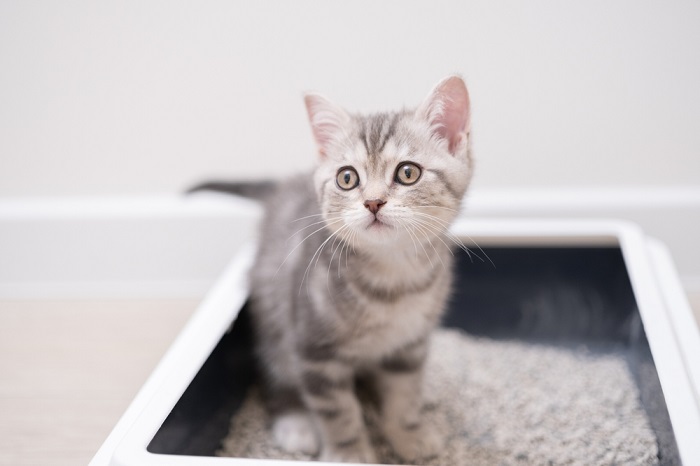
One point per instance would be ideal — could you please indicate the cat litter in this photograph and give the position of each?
(503, 402)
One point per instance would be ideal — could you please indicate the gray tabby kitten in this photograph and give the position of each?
(353, 271)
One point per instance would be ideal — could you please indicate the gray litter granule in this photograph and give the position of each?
(505, 403)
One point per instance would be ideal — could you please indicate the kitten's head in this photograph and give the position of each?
(393, 177)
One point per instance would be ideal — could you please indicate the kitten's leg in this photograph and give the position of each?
(400, 382)
(294, 431)
(328, 389)
(293, 428)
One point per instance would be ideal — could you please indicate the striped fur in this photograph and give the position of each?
(339, 292)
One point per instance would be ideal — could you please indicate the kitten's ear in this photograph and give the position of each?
(447, 112)
(328, 121)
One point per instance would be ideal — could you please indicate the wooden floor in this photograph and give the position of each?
(68, 370)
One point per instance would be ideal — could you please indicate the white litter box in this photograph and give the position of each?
(182, 413)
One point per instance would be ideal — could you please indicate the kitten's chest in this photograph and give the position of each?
(385, 328)
(394, 308)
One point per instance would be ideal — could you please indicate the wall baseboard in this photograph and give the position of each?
(175, 247)
(140, 247)
(670, 214)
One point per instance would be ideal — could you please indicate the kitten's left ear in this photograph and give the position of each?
(447, 112)
(328, 121)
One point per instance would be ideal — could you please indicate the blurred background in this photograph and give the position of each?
(144, 97)
(109, 110)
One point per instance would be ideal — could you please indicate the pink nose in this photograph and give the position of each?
(374, 205)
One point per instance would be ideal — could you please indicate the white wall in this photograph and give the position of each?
(136, 97)
(596, 100)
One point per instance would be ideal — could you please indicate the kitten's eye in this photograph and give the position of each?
(347, 178)
(408, 173)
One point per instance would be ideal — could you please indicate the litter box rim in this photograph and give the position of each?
(651, 273)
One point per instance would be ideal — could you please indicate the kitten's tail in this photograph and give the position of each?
(258, 190)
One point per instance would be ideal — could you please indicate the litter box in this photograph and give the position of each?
(550, 282)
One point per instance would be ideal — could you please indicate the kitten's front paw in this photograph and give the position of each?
(357, 452)
(295, 432)
(414, 443)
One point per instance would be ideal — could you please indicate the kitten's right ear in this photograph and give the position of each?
(328, 121)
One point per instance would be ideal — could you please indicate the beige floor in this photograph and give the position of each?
(68, 370)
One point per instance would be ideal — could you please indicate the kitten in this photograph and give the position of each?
(353, 270)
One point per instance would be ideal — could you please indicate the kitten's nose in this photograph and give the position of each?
(374, 205)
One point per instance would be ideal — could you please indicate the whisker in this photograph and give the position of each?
(436, 207)
(439, 232)
(329, 221)
(482, 251)
(422, 247)
(345, 246)
(334, 250)
(317, 255)
(422, 230)
(336, 235)
(458, 241)
(445, 227)
(353, 237)
(314, 215)
(302, 242)
(350, 242)
(415, 246)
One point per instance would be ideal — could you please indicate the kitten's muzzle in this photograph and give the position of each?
(374, 205)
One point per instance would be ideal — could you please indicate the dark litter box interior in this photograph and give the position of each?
(560, 296)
